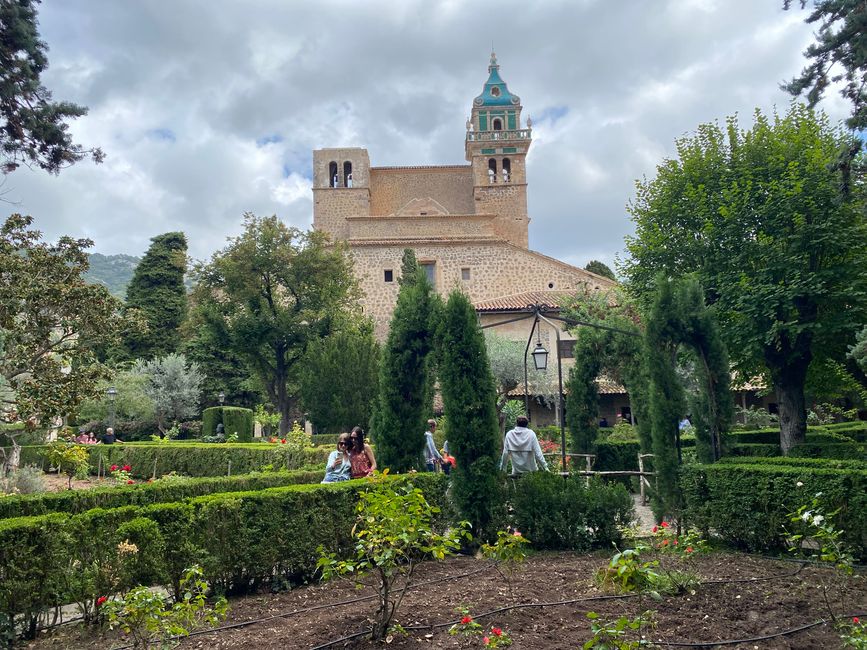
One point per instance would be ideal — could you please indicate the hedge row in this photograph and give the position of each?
(790, 461)
(748, 505)
(838, 450)
(75, 501)
(613, 456)
(234, 419)
(241, 539)
(193, 458)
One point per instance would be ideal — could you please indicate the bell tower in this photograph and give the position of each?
(497, 146)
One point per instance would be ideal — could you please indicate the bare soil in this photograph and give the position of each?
(740, 597)
(60, 482)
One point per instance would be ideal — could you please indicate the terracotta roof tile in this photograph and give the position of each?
(518, 301)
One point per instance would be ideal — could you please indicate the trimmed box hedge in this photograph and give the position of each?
(193, 458)
(234, 419)
(747, 505)
(241, 539)
(793, 461)
(116, 496)
(838, 450)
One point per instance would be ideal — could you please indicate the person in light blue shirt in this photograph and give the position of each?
(432, 457)
(338, 464)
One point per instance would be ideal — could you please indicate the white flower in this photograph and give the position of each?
(807, 516)
(818, 519)
(799, 484)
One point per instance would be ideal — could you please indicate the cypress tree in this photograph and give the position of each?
(469, 399)
(399, 423)
(582, 394)
(157, 291)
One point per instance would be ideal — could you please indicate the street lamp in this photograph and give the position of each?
(221, 397)
(540, 357)
(112, 395)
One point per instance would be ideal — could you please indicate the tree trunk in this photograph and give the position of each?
(12, 458)
(792, 405)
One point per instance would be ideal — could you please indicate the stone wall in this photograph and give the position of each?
(509, 203)
(332, 205)
(433, 226)
(495, 269)
(391, 188)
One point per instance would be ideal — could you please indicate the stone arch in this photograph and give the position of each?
(347, 174)
(333, 179)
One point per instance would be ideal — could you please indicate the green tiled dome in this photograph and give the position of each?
(496, 93)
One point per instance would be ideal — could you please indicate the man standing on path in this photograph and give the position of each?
(431, 456)
(522, 446)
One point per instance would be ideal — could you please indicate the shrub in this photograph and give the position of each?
(211, 417)
(567, 514)
(242, 540)
(75, 501)
(792, 461)
(194, 458)
(27, 479)
(748, 505)
(238, 420)
(69, 458)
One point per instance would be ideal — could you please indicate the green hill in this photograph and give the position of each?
(112, 271)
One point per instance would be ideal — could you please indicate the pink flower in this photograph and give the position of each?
(101, 600)
(517, 533)
(654, 529)
(466, 619)
(689, 549)
(856, 620)
(675, 542)
(664, 524)
(485, 640)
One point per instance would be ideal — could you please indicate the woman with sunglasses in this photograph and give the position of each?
(337, 467)
(360, 455)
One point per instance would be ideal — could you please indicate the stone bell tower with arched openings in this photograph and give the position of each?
(497, 146)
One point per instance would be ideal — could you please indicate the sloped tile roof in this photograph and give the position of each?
(518, 301)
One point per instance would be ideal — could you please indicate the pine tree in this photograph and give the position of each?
(469, 401)
(157, 291)
(404, 379)
(600, 268)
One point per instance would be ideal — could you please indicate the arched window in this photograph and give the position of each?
(347, 174)
(507, 170)
(498, 124)
(332, 174)
(492, 170)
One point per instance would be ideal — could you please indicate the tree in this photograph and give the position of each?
(131, 404)
(842, 42)
(174, 386)
(469, 399)
(271, 292)
(404, 379)
(157, 291)
(774, 234)
(858, 351)
(599, 268)
(34, 129)
(338, 379)
(51, 325)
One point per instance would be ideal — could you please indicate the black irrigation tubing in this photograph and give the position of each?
(711, 644)
(339, 603)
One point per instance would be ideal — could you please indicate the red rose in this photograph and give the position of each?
(689, 549)
(466, 619)
(127, 468)
(675, 542)
(130, 481)
(114, 468)
(100, 600)
(496, 631)
(856, 620)
(654, 529)
(664, 524)
(283, 441)
(485, 640)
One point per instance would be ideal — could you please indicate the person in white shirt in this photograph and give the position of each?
(432, 457)
(522, 447)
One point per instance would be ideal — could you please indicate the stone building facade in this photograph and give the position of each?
(468, 224)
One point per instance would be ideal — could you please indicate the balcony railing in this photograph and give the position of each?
(488, 136)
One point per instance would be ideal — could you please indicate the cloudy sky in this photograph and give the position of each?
(210, 108)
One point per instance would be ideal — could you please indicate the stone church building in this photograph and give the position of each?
(468, 224)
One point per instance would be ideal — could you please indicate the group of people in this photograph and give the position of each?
(354, 458)
(89, 438)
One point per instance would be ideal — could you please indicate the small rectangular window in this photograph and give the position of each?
(465, 273)
(567, 349)
(430, 272)
(389, 275)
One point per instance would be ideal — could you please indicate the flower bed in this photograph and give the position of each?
(75, 501)
(748, 505)
(241, 539)
(193, 458)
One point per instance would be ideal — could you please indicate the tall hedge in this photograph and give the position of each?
(238, 420)
(211, 417)
(242, 540)
(469, 401)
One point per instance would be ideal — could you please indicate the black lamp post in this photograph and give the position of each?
(112, 395)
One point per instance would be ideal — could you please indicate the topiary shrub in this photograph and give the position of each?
(211, 417)
(238, 420)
